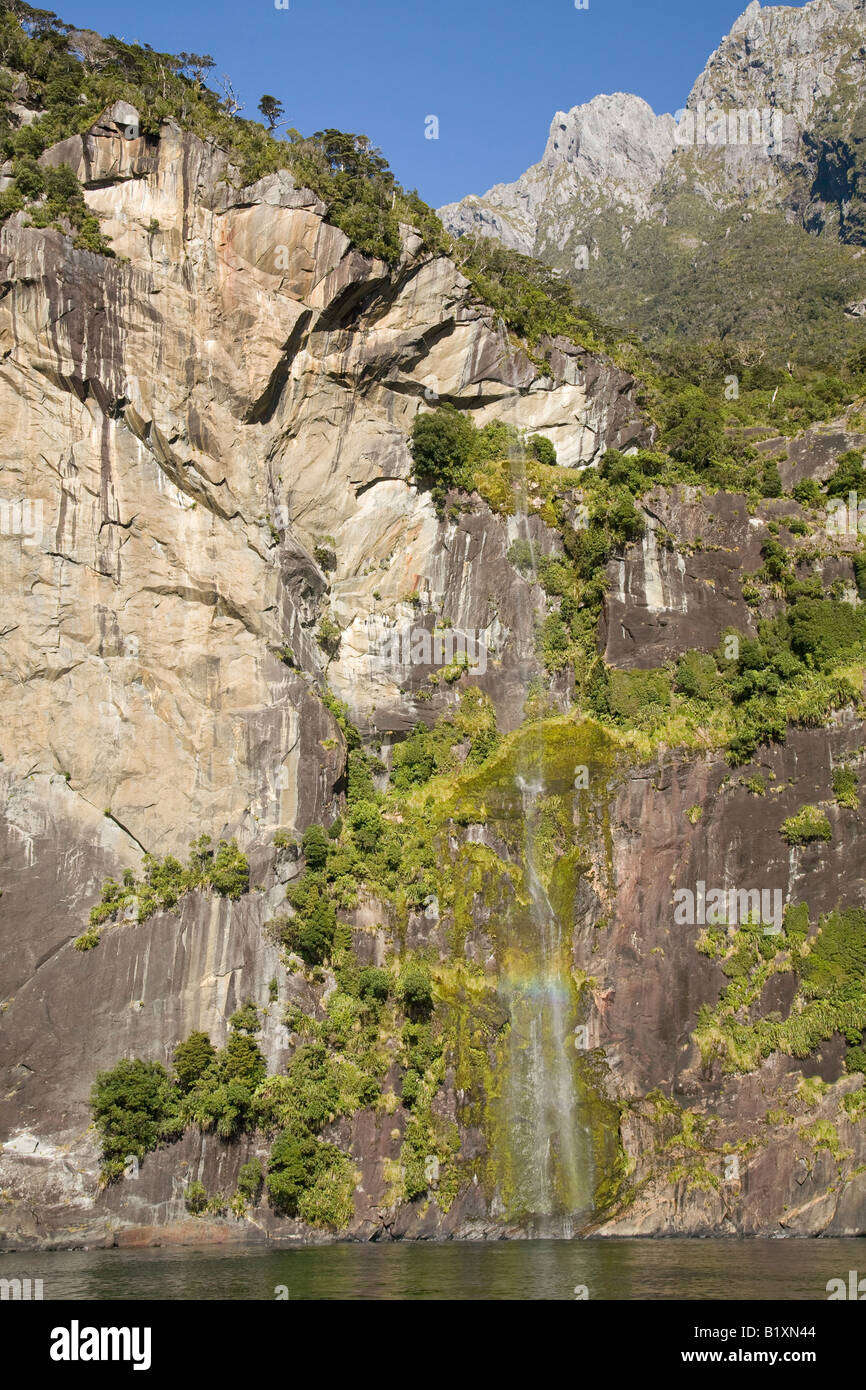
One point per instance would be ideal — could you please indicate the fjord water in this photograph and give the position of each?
(662, 1270)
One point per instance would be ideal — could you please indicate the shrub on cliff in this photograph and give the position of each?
(849, 475)
(311, 931)
(810, 823)
(315, 845)
(192, 1059)
(442, 447)
(697, 676)
(528, 296)
(304, 1179)
(541, 449)
(837, 959)
(250, 1178)
(195, 1198)
(135, 1110)
(694, 429)
(416, 989)
(229, 873)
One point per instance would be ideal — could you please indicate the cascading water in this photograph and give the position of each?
(549, 1179)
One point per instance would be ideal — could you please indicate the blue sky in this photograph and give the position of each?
(492, 71)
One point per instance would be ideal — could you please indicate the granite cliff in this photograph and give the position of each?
(213, 523)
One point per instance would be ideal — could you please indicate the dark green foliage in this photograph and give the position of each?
(409, 1088)
(821, 630)
(360, 769)
(295, 1161)
(243, 1061)
(315, 846)
(808, 493)
(428, 751)
(192, 1059)
(633, 691)
(195, 1198)
(770, 481)
(541, 449)
(310, 931)
(366, 823)
(836, 963)
(272, 110)
(246, 1018)
(414, 760)
(531, 299)
(694, 430)
(421, 1048)
(250, 1178)
(638, 472)
(777, 561)
(416, 989)
(849, 475)
(809, 824)
(845, 787)
(443, 447)
(697, 676)
(135, 1110)
(164, 881)
(373, 983)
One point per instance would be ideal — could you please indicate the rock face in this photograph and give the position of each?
(186, 424)
(609, 153)
(746, 140)
(206, 455)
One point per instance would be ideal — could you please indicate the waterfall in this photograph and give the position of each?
(549, 1168)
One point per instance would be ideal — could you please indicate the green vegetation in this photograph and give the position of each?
(737, 297)
(531, 299)
(831, 995)
(804, 664)
(71, 89)
(810, 823)
(393, 857)
(448, 449)
(53, 198)
(328, 635)
(849, 475)
(845, 787)
(164, 881)
(135, 1111)
(427, 752)
(338, 1066)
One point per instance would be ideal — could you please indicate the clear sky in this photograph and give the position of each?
(492, 71)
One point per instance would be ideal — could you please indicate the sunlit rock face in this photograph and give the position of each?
(189, 428)
(745, 138)
(205, 455)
